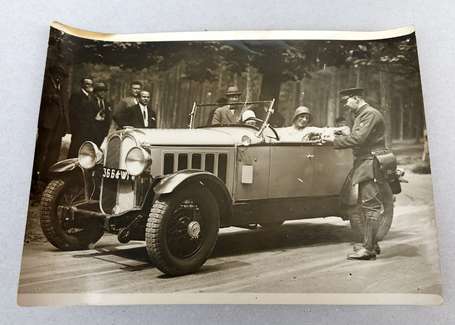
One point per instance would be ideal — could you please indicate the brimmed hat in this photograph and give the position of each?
(350, 92)
(301, 110)
(233, 90)
(100, 86)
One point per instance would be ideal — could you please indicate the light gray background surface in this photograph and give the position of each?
(24, 27)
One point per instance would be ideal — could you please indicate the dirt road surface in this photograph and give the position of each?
(299, 257)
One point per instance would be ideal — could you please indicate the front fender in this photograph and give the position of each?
(173, 182)
(66, 166)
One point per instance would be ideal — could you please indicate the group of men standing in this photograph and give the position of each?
(90, 117)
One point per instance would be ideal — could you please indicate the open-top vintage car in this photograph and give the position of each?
(174, 188)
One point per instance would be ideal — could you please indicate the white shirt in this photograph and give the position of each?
(145, 116)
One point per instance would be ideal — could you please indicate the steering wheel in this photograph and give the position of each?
(277, 137)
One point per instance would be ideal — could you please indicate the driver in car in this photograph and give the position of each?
(229, 114)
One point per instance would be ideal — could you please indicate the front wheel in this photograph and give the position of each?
(357, 221)
(60, 231)
(182, 229)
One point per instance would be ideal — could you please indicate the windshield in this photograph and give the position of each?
(252, 113)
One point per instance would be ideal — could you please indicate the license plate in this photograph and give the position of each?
(114, 173)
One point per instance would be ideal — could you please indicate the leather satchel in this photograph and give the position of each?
(387, 163)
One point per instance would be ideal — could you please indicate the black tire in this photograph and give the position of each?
(356, 217)
(271, 225)
(172, 247)
(59, 232)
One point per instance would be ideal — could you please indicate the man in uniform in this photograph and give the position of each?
(367, 136)
(229, 114)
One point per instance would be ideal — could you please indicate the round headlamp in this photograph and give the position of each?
(89, 155)
(137, 160)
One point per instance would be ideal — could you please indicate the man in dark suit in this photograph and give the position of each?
(138, 116)
(103, 115)
(52, 124)
(82, 116)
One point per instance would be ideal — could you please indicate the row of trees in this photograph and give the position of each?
(274, 63)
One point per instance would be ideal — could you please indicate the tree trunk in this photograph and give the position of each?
(331, 105)
(384, 95)
(249, 84)
(401, 120)
(270, 87)
(219, 88)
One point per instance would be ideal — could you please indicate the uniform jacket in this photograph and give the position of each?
(224, 115)
(132, 116)
(367, 135)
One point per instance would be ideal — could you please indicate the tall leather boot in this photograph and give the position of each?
(367, 252)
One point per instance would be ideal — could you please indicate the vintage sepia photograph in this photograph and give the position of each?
(277, 167)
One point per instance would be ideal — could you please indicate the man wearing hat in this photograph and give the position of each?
(367, 136)
(52, 123)
(229, 114)
(103, 115)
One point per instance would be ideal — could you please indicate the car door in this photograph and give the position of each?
(331, 167)
(291, 170)
(252, 172)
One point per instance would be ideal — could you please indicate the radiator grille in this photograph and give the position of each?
(121, 195)
(109, 186)
(215, 163)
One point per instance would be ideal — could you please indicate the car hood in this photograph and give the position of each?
(222, 136)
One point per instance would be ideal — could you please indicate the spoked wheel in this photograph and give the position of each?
(182, 229)
(357, 221)
(61, 231)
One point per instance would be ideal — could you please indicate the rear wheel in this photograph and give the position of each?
(357, 219)
(182, 229)
(59, 230)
